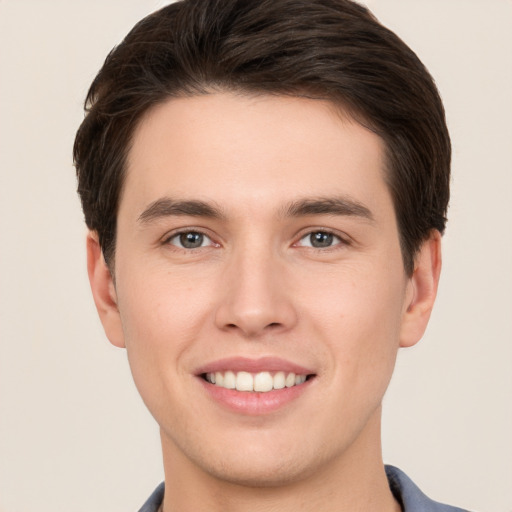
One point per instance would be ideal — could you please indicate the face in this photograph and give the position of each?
(259, 285)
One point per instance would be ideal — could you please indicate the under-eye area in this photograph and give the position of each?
(260, 382)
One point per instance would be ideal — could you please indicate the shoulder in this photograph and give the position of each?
(410, 496)
(155, 500)
(404, 489)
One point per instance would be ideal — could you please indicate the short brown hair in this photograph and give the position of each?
(330, 49)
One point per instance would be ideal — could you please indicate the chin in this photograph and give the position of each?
(261, 473)
(260, 462)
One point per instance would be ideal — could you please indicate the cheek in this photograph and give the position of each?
(360, 298)
(358, 314)
(161, 318)
(161, 307)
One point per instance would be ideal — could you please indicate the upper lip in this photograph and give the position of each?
(243, 364)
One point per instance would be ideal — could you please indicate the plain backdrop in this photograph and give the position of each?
(75, 436)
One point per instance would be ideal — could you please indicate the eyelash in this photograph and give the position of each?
(339, 240)
(176, 235)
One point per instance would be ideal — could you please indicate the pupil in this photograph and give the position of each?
(321, 239)
(191, 240)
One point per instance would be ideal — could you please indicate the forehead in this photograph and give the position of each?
(259, 151)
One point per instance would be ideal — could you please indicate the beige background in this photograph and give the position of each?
(74, 434)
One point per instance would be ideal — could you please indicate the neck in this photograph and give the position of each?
(354, 480)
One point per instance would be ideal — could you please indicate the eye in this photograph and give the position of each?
(190, 240)
(319, 240)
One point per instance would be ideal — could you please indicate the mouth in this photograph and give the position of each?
(255, 386)
(260, 382)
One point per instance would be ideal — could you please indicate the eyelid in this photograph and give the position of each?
(342, 237)
(166, 239)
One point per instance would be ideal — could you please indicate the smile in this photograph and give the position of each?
(261, 382)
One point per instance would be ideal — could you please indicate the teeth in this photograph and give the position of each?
(219, 379)
(260, 382)
(279, 380)
(229, 380)
(263, 382)
(244, 382)
(300, 379)
(290, 380)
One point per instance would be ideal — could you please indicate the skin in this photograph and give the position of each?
(257, 288)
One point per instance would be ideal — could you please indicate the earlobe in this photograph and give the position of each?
(103, 291)
(422, 290)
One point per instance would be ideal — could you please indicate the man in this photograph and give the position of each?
(266, 185)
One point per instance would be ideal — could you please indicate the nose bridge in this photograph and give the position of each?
(255, 299)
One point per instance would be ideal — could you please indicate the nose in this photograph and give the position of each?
(255, 299)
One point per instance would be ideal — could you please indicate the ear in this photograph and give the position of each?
(103, 291)
(421, 290)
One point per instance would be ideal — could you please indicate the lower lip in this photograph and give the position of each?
(254, 403)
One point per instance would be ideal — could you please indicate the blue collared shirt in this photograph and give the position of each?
(403, 488)
(410, 497)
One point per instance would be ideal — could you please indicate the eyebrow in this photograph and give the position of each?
(339, 205)
(165, 207)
